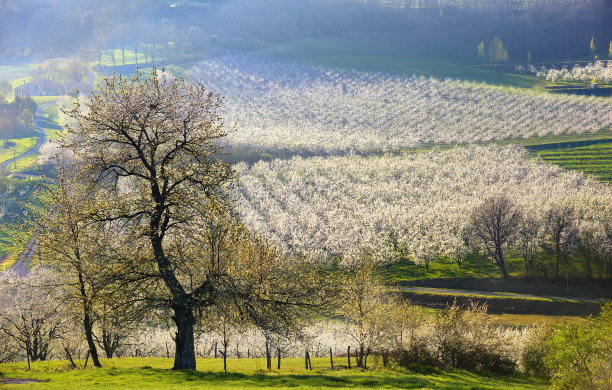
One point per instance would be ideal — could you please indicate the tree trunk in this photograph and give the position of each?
(557, 258)
(68, 355)
(268, 357)
(278, 353)
(349, 356)
(587, 263)
(331, 357)
(90, 341)
(360, 357)
(88, 323)
(225, 357)
(499, 258)
(184, 356)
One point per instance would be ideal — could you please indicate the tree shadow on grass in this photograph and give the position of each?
(359, 379)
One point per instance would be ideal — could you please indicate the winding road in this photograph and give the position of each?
(20, 267)
(42, 138)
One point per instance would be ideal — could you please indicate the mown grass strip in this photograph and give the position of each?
(512, 305)
(594, 159)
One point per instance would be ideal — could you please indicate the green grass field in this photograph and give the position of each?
(40, 100)
(9, 251)
(8, 260)
(50, 121)
(595, 160)
(473, 267)
(22, 145)
(429, 56)
(152, 373)
(518, 320)
(27, 165)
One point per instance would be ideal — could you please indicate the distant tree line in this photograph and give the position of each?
(149, 30)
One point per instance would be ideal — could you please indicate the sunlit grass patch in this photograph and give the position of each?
(15, 147)
(27, 164)
(40, 100)
(155, 373)
(594, 160)
(50, 122)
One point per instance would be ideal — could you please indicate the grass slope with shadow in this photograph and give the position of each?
(155, 373)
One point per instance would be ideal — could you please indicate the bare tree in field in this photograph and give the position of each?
(530, 243)
(149, 148)
(492, 226)
(560, 232)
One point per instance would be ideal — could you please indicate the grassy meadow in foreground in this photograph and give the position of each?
(152, 373)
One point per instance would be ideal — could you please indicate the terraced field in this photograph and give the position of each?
(593, 159)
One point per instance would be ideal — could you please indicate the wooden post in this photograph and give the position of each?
(331, 358)
(349, 356)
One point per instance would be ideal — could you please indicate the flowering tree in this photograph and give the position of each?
(303, 109)
(416, 204)
(31, 312)
(148, 149)
(369, 306)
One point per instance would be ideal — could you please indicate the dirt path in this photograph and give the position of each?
(488, 294)
(20, 267)
(42, 138)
